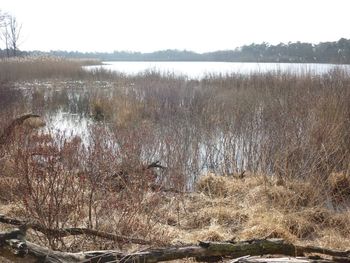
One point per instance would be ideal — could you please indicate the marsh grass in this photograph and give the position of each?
(251, 210)
(29, 68)
(288, 132)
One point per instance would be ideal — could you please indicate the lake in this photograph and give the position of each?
(198, 70)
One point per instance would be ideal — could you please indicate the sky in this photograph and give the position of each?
(196, 25)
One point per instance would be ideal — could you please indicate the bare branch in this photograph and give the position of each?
(155, 164)
(73, 231)
(10, 32)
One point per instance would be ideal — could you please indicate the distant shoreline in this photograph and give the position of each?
(221, 61)
(337, 52)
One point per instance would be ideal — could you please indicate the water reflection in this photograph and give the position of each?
(198, 70)
(69, 124)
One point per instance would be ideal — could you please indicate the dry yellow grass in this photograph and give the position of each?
(339, 186)
(226, 208)
(41, 67)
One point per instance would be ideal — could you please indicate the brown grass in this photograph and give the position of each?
(289, 133)
(29, 68)
(255, 214)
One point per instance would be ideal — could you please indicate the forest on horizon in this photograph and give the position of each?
(337, 52)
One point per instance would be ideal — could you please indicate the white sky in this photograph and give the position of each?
(198, 25)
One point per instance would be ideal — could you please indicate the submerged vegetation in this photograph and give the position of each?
(243, 156)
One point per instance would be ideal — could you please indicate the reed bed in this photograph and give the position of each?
(259, 155)
(30, 68)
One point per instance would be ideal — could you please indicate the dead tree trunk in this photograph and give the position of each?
(14, 247)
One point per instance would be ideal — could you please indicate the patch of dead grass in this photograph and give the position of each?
(240, 210)
(256, 207)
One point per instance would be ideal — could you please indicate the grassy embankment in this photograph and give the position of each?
(289, 133)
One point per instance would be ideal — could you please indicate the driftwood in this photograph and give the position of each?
(73, 231)
(13, 246)
(9, 130)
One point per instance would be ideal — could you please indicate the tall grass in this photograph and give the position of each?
(292, 129)
(29, 68)
(285, 125)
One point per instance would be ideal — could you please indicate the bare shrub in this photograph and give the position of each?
(51, 193)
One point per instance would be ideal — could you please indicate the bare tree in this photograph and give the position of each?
(5, 37)
(3, 29)
(3, 17)
(14, 31)
(10, 31)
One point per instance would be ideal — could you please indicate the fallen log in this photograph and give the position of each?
(249, 259)
(72, 231)
(9, 130)
(324, 251)
(13, 246)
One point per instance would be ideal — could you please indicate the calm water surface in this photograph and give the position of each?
(198, 70)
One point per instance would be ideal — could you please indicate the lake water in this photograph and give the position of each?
(198, 70)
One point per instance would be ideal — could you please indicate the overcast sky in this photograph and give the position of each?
(198, 25)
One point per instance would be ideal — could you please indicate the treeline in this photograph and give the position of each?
(298, 52)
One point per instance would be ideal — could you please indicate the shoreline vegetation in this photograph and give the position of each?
(336, 52)
(173, 161)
